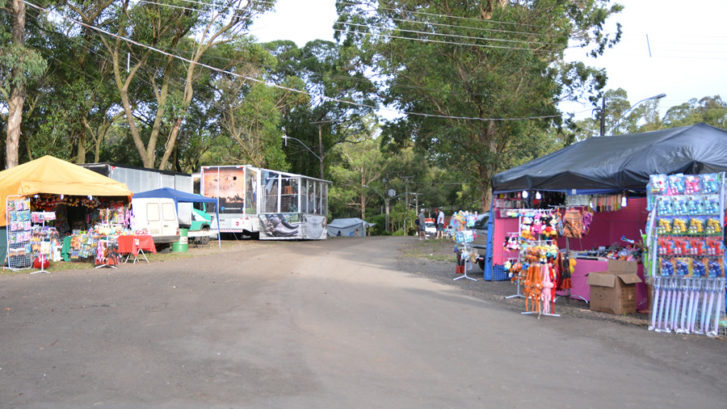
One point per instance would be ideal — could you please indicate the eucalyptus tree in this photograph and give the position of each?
(341, 96)
(475, 79)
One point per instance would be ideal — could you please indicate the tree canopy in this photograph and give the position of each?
(423, 98)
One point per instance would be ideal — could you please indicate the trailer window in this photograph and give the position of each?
(289, 194)
(304, 196)
(250, 191)
(270, 184)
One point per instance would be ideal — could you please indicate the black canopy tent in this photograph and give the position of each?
(619, 163)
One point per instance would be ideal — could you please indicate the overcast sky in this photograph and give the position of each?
(688, 42)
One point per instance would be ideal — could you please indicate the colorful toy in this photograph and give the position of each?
(696, 227)
(714, 227)
(678, 226)
(658, 184)
(664, 227)
(710, 183)
(692, 184)
(675, 185)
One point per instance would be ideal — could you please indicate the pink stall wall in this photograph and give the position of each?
(502, 227)
(608, 227)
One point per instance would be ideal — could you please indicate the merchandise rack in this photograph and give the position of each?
(687, 300)
(18, 232)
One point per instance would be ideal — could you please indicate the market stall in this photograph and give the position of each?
(597, 187)
(49, 204)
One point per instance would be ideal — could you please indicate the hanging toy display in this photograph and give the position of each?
(536, 268)
(687, 242)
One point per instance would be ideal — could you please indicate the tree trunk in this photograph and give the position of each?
(363, 198)
(81, 157)
(17, 95)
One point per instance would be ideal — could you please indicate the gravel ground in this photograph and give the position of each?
(435, 260)
(341, 323)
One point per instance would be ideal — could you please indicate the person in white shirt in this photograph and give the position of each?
(440, 224)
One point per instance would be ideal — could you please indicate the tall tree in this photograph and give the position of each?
(189, 29)
(342, 96)
(18, 65)
(462, 67)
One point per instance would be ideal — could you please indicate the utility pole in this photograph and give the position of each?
(320, 148)
(320, 142)
(603, 115)
(406, 190)
(416, 201)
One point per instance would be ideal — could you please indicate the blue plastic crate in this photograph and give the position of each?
(499, 273)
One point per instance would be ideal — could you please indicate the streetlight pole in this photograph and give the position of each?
(320, 157)
(320, 141)
(603, 112)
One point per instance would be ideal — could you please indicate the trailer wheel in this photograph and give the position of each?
(205, 239)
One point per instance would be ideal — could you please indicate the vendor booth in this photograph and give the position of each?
(48, 204)
(592, 196)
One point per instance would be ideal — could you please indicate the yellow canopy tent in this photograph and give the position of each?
(55, 176)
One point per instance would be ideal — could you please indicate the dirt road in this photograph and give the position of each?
(345, 323)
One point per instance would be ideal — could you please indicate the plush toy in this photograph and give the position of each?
(546, 294)
(537, 227)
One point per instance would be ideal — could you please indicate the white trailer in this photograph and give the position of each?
(276, 205)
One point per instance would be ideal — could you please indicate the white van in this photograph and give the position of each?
(158, 216)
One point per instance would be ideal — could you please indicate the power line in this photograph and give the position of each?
(425, 40)
(449, 35)
(130, 41)
(213, 4)
(401, 30)
(424, 13)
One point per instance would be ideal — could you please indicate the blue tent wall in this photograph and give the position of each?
(487, 274)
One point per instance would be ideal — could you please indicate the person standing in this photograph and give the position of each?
(422, 225)
(440, 224)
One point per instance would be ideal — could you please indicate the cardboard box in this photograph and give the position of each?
(614, 291)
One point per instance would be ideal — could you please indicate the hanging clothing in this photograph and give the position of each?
(573, 224)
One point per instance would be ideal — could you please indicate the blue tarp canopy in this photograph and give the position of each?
(177, 195)
(182, 197)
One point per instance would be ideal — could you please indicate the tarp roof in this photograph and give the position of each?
(623, 162)
(177, 195)
(55, 176)
(345, 223)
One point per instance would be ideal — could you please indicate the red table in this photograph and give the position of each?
(132, 245)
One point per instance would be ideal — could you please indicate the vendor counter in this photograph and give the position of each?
(579, 281)
(85, 246)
